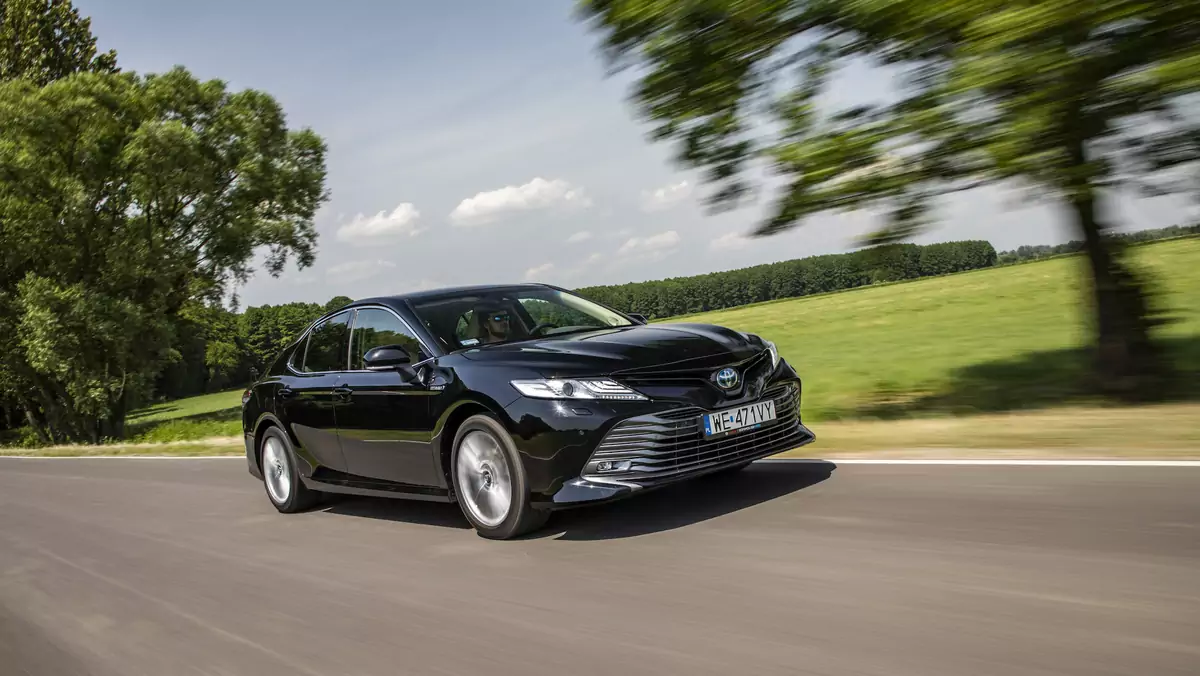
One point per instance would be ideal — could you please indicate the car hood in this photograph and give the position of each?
(625, 350)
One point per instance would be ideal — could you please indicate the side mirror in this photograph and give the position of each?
(386, 357)
(641, 319)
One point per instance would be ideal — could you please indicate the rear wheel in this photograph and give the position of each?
(284, 488)
(490, 481)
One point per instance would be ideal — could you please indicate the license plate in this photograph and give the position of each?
(740, 419)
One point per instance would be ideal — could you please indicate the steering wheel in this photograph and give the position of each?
(541, 327)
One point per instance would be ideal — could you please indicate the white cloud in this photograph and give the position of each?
(581, 236)
(729, 242)
(382, 226)
(594, 258)
(654, 243)
(358, 271)
(539, 193)
(536, 273)
(665, 197)
(420, 285)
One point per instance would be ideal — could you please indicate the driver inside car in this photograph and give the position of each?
(494, 325)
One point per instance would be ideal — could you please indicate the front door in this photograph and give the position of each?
(307, 397)
(384, 422)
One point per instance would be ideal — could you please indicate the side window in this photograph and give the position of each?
(374, 328)
(327, 345)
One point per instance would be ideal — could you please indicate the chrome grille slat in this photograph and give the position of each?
(710, 458)
(666, 445)
(680, 430)
(671, 458)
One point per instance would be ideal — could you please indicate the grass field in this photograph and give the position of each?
(208, 415)
(994, 341)
(991, 340)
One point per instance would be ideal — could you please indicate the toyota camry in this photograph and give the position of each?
(512, 401)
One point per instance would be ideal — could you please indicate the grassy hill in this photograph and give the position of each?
(989, 341)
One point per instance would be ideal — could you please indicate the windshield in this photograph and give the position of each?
(508, 315)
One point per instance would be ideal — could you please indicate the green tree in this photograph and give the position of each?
(337, 302)
(122, 199)
(45, 40)
(266, 329)
(1068, 99)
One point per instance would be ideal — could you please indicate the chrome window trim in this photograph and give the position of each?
(403, 321)
(304, 337)
(353, 312)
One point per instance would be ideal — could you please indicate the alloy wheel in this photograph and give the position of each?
(484, 478)
(277, 471)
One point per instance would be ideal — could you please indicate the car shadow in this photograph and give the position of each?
(657, 511)
(686, 503)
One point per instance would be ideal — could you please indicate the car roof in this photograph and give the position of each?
(444, 292)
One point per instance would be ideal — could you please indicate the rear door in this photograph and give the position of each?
(317, 367)
(384, 423)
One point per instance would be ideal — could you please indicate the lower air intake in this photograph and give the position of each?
(657, 448)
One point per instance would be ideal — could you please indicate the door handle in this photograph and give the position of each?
(285, 393)
(342, 392)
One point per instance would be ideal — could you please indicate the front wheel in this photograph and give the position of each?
(490, 483)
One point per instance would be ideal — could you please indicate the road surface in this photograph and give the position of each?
(159, 567)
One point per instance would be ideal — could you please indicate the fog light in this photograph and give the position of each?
(612, 466)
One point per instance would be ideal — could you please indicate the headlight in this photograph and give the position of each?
(562, 388)
(774, 353)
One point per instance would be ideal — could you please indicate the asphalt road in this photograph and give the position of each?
(124, 567)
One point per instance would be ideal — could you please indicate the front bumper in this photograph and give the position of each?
(667, 446)
(585, 491)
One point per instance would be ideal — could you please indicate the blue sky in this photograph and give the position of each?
(479, 142)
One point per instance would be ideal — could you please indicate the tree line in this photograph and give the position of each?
(1034, 252)
(793, 278)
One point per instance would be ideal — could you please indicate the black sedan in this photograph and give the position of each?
(513, 401)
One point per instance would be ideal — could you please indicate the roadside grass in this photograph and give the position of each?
(1164, 431)
(191, 448)
(191, 419)
(1167, 431)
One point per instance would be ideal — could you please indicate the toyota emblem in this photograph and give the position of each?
(727, 378)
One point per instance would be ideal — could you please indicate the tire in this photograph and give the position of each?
(489, 481)
(281, 480)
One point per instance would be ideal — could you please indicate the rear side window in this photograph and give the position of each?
(326, 350)
(376, 328)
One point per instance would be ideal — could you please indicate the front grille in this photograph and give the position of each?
(664, 446)
(754, 372)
